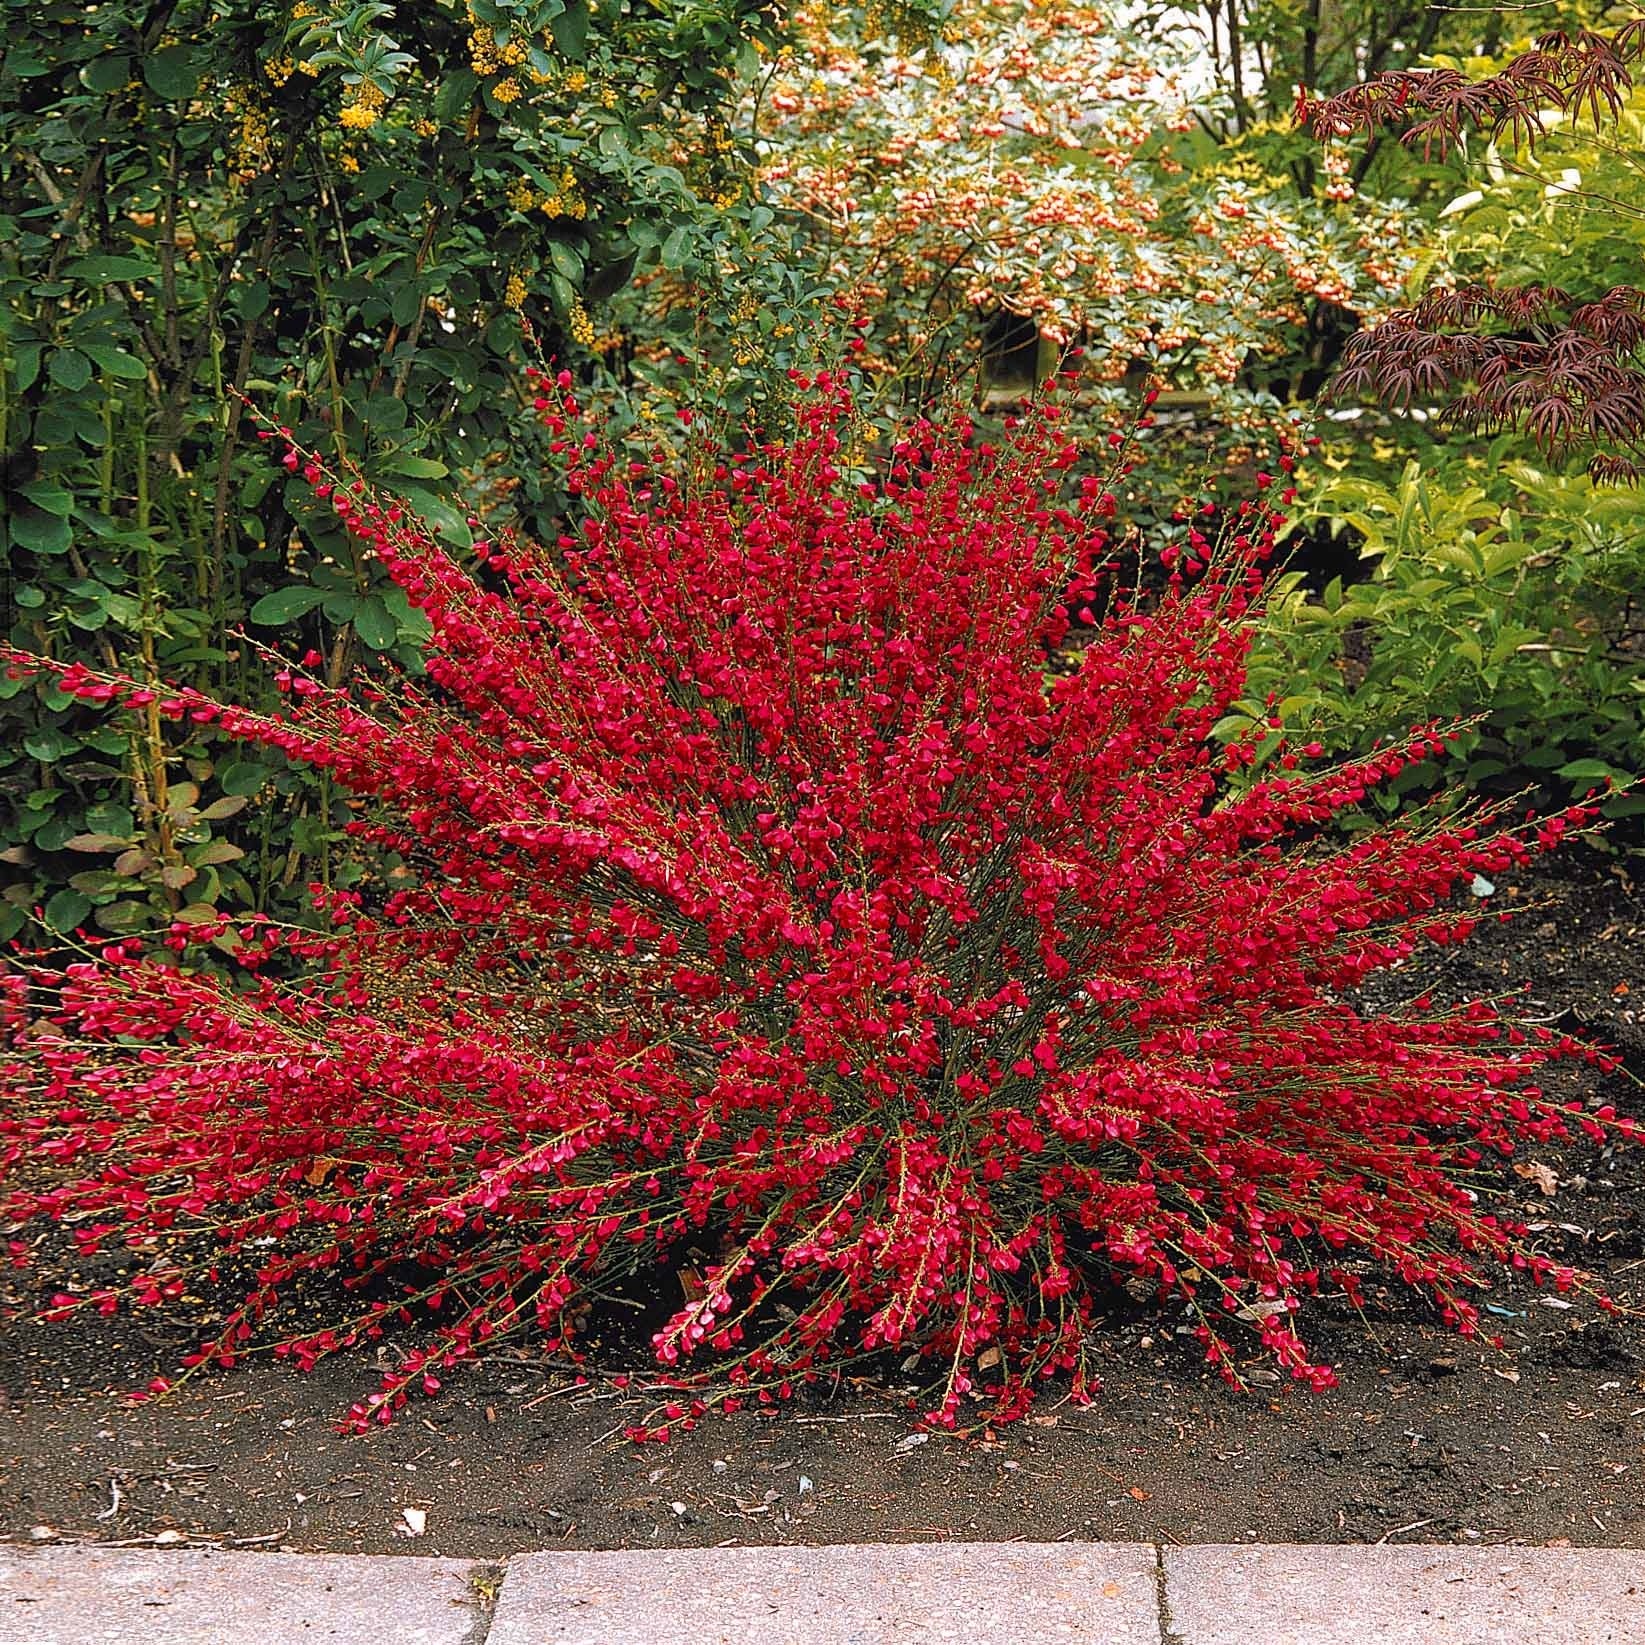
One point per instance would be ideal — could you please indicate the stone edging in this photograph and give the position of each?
(1064, 1593)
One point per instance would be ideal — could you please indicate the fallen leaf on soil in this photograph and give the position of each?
(1047, 1419)
(1254, 1313)
(1542, 1175)
(1138, 1493)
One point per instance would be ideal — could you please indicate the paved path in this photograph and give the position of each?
(1099, 1593)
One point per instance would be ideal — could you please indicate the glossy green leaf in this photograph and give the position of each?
(106, 266)
(172, 73)
(115, 361)
(243, 777)
(44, 533)
(414, 467)
(107, 73)
(48, 495)
(374, 625)
(570, 29)
(286, 605)
(67, 909)
(69, 369)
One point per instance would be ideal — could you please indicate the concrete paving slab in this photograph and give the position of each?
(1286, 1595)
(920, 1594)
(87, 1595)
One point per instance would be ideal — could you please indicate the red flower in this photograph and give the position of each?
(780, 938)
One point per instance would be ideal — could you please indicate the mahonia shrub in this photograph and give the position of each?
(771, 930)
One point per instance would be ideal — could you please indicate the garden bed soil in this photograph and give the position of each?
(1427, 1438)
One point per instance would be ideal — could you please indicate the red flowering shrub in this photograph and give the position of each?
(760, 892)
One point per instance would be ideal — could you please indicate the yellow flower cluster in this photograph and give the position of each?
(582, 328)
(512, 59)
(572, 80)
(514, 293)
(251, 149)
(567, 200)
(424, 127)
(362, 103)
(521, 195)
(279, 70)
(488, 55)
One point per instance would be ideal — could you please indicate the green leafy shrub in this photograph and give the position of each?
(353, 212)
(1497, 590)
(1500, 587)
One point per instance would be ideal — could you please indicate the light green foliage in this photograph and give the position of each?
(1497, 591)
(1571, 213)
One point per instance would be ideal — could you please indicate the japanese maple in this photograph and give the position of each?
(1563, 368)
(765, 925)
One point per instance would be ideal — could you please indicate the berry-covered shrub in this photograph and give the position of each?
(762, 922)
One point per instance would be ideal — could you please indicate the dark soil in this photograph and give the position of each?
(1428, 1438)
